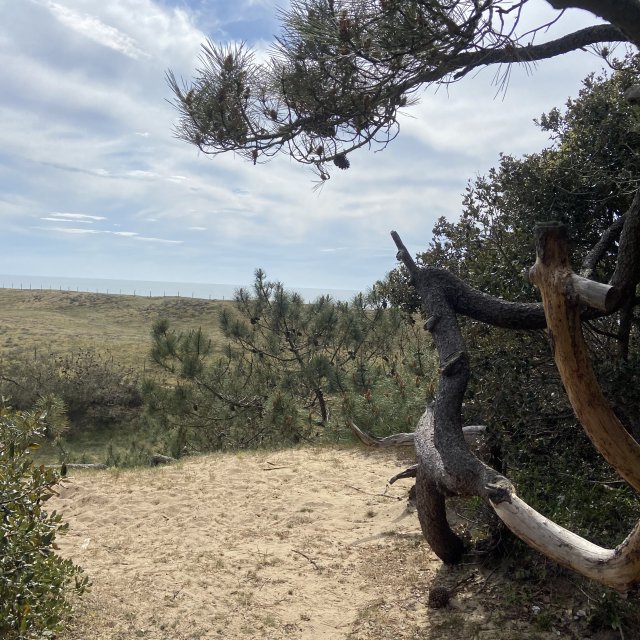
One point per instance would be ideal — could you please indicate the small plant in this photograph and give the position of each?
(54, 411)
(33, 579)
(611, 611)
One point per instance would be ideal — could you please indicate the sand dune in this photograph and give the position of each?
(305, 544)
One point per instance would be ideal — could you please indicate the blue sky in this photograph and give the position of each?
(94, 184)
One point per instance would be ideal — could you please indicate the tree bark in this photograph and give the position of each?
(432, 514)
(625, 14)
(324, 414)
(627, 272)
(447, 467)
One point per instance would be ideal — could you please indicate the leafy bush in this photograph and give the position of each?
(94, 388)
(33, 579)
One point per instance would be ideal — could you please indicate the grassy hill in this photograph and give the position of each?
(118, 325)
(35, 323)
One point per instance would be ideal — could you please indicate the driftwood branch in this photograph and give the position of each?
(618, 568)
(471, 434)
(552, 275)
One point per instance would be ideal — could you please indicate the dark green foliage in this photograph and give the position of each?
(291, 372)
(34, 580)
(585, 179)
(611, 611)
(340, 72)
(95, 390)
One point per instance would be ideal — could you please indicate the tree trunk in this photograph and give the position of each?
(446, 466)
(324, 414)
(432, 514)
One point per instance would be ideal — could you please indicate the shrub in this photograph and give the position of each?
(94, 388)
(291, 372)
(34, 580)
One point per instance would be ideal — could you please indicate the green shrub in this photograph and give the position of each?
(95, 390)
(292, 372)
(34, 580)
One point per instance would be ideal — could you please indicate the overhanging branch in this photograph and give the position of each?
(461, 64)
(623, 13)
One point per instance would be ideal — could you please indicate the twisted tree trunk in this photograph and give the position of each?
(447, 467)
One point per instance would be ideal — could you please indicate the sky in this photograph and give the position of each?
(94, 183)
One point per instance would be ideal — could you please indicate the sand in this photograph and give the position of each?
(307, 543)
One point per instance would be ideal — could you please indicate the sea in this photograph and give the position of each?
(150, 288)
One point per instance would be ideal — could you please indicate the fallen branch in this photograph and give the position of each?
(74, 465)
(471, 434)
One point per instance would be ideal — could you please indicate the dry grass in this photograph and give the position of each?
(118, 325)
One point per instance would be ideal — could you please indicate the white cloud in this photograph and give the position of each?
(88, 128)
(79, 217)
(96, 30)
(71, 230)
(95, 232)
(160, 240)
(141, 174)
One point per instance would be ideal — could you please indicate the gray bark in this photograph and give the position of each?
(624, 14)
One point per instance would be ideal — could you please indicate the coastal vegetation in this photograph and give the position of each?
(136, 377)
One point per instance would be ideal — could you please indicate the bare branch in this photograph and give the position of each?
(469, 301)
(618, 568)
(460, 65)
(601, 247)
(551, 274)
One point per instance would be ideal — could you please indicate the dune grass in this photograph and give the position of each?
(117, 325)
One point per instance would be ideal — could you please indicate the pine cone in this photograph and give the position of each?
(341, 161)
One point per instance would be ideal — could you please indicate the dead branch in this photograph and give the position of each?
(306, 557)
(561, 298)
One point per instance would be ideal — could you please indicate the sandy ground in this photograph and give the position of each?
(305, 544)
